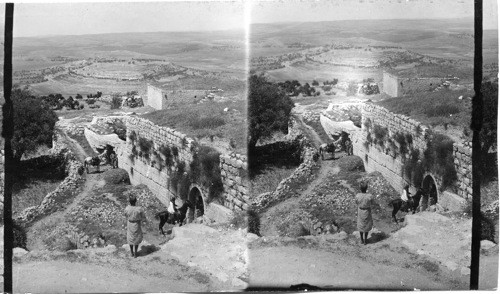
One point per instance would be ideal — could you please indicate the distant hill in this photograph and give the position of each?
(155, 43)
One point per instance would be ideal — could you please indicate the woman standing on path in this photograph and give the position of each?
(365, 222)
(135, 215)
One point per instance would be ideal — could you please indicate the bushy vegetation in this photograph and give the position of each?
(269, 109)
(437, 157)
(205, 169)
(57, 102)
(20, 236)
(253, 222)
(116, 102)
(488, 133)
(146, 148)
(34, 123)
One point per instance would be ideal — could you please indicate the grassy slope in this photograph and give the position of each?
(416, 106)
(186, 118)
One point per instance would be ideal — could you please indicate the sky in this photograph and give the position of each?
(328, 10)
(41, 19)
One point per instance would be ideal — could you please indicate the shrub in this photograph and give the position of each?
(166, 151)
(116, 102)
(175, 151)
(205, 169)
(253, 222)
(132, 136)
(184, 186)
(145, 147)
(401, 140)
(487, 228)
(438, 157)
(20, 237)
(368, 123)
(369, 139)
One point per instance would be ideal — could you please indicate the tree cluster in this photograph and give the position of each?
(57, 102)
(269, 109)
(294, 88)
(488, 132)
(34, 122)
(98, 95)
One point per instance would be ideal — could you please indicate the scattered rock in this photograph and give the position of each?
(18, 252)
(336, 237)
(465, 271)
(251, 237)
(487, 244)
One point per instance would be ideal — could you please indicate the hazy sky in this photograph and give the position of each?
(39, 19)
(325, 10)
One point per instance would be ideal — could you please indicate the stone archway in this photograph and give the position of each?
(430, 187)
(196, 197)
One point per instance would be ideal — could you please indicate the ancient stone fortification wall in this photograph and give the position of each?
(462, 152)
(390, 85)
(234, 177)
(142, 171)
(304, 171)
(377, 158)
(53, 201)
(156, 98)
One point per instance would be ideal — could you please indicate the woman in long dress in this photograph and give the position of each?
(365, 201)
(135, 215)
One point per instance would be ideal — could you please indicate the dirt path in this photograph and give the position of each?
(75, 147)
(104, 271)
(286, 266)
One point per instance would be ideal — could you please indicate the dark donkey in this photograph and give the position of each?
(179, 216)
(413, 202)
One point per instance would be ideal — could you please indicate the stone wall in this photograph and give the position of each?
(234, 177)
(53, 201)
(142, 171)
(377, 158)
(156, 98)
(462, 152)
(304, 172)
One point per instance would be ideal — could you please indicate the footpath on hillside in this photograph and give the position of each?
(429, 251)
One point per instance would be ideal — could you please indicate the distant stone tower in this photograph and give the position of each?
(391, 85)
(157, 98)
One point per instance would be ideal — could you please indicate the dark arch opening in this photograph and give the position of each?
(197, 200)
(430, 190)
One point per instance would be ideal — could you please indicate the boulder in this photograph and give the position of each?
(18, 252)
(487, 244)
